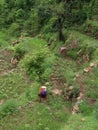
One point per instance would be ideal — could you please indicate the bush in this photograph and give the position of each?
(33, 64)
(8, 108)
(36, 64)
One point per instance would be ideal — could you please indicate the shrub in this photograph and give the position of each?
(33, 64)
(36, 64)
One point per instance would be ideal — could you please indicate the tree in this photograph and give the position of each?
(66, 13)
(48, 15)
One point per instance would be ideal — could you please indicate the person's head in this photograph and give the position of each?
(44, 88)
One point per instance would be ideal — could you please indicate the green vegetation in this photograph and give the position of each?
(3, 40)
(8, 108)
(11, 85)
(91, 28)
(52, 43)
(79, 122)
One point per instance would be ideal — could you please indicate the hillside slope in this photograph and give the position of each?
(20, 109)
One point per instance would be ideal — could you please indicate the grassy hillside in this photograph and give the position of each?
(39, 64)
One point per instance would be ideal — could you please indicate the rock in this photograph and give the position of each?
(63, 51)
(1, 102)
(14, 61)
(70, 88)
(15, 42)
(92, 65)
(1, 60)
(86, 70)
(56, 92)
(81, 95)
(21, 38)
(83, 119)
(78, 98)
(77, 75)
(47, 83)
(79, 53)
(40, 36)
(75, 109)
(65, 84)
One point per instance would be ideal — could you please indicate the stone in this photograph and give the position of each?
(75, 109)
(56, 92)
(83, 119)
(86, 70)
(14, 61)
(92, 65)
(63, 51)
(1, 102)
(70, 87)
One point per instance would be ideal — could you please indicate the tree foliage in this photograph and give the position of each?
(50, 16)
